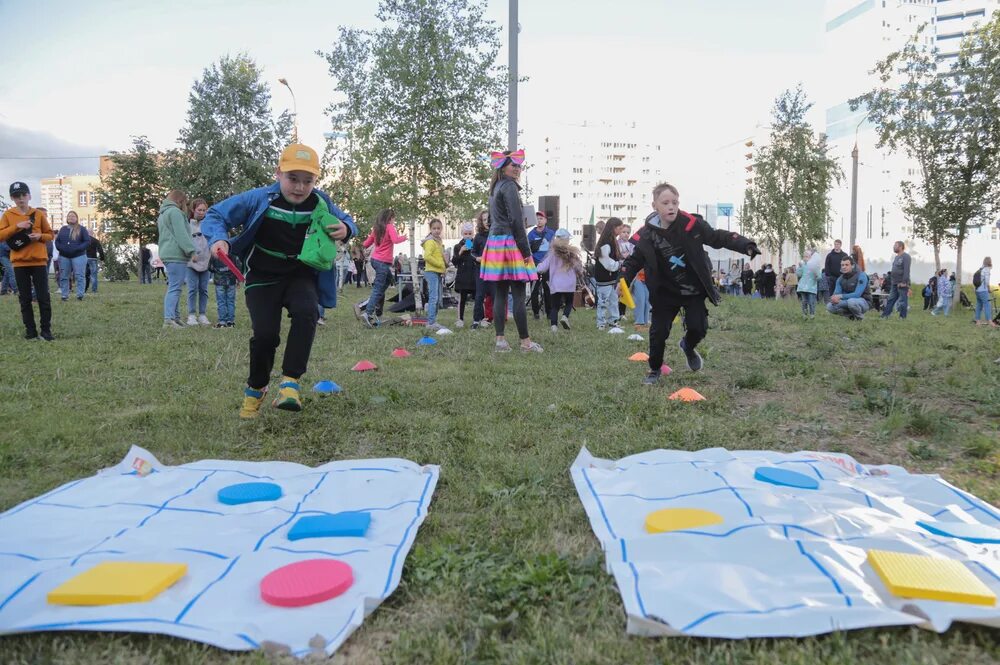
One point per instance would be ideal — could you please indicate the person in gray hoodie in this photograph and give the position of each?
(900, 274)
(176, 248)
(197, 267)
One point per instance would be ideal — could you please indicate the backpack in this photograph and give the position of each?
(22, 238)
(977, 278)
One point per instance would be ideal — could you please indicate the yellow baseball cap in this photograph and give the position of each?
(298, 157)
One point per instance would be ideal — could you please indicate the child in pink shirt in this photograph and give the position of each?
(384, 237)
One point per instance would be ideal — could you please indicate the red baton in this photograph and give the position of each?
(232, 266)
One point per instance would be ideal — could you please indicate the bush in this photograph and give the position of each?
(121, 260)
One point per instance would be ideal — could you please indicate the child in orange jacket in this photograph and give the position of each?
(27, 230)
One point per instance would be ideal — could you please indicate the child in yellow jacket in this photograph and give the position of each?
(24, 223)
(434, 268)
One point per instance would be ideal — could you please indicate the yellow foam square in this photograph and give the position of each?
(932, 578)
(676, 519)
(114, 582)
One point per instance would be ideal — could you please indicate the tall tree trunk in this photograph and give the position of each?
(418, 293)
(958, 265)
(937, 255)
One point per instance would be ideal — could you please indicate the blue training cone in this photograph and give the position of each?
(427, 341)
(327, 388)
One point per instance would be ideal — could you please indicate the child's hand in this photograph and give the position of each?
(24, 225)
(220, 247)
(336, 231)
(35, 236)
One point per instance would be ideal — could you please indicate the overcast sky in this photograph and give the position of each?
(697, 74)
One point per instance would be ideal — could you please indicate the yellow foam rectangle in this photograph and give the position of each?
(931, 578)
(114, 582)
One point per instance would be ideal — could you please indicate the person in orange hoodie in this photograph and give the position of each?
(27, 230)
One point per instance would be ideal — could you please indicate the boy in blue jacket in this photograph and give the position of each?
(274, 222)
(851, 296)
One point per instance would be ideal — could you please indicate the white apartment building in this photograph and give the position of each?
(859, 34)
(78, 193)
(608, 168)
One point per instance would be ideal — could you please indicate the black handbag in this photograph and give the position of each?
(22, 238)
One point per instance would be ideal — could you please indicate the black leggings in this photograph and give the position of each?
(500, 308)
(464, 297)
(557, 300)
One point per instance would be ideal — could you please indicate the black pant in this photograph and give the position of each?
(540, 291)
(359, 265)
(559, 300)
(296, 293)
(665, 307)
(927, 302)
(500, 307)
(483, 288)
(463, 297)
(38, 277)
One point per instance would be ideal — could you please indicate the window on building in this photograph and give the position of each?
(82, 199)
(93, 198)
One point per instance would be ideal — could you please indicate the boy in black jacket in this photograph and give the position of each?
(670, 248)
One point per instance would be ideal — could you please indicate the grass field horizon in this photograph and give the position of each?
(505, 569)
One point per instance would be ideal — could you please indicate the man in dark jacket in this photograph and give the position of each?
(746, 277)
(832, 265)
(95, 253)
(900, 275)
(671, 249)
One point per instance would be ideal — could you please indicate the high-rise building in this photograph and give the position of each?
(858, 35)
(609, 169)
(78, 193)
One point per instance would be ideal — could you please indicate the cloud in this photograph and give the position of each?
(30, 155)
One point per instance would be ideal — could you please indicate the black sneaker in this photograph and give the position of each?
(652, 378)
(31, 336)
(694, 361)
(48, 336)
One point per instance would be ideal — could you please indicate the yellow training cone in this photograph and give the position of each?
(688, 395)
(625, 296)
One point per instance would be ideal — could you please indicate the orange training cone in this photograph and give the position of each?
(364, 366)
(401, 353)
(639, 357)
(688, 395)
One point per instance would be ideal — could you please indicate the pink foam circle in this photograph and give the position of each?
(306, 582)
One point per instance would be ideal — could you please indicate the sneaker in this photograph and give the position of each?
(203, 320)
(79, 297)
(434, 327)
(288, 395)
(192, 320)
(252, 399)
(170, 323)
(602, 328)
(64, 299)
(652, 378)
(321, 321)
(459, 324)
(358, 312)
(534, 347)
(31, 336)
(365, 319)
(502, 346)
(475, 325)
(694, 361)
(221, 324)
(230, 324)
(554, 328)
(564, 322)
(48, 336)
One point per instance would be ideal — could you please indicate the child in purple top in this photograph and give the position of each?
(564, 267)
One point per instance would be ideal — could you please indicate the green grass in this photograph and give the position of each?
(505, 569)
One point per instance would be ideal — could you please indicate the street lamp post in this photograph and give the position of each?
(854, 182)
(295, 111)
(513, 28)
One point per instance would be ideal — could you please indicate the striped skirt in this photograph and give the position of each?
(502, 261)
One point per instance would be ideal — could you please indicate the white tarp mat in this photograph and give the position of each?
(785, 562)
(173, 515)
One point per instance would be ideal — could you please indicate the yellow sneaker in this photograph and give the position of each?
(252, 399)
(288, 395)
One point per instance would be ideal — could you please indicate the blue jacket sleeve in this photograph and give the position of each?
(226, 215)
(859, 289)
(837, 291)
